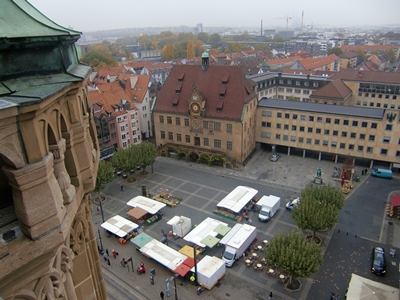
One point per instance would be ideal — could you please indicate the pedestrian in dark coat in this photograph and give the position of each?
(162, 295)
(107, 252)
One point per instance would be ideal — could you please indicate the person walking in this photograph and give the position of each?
(105, 257)
(162, 295)
(365, 171)
(270, 296)
(114, 253)
(122, 188)
(107, 252)
(108, 262)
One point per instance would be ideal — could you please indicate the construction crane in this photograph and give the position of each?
(287, 23)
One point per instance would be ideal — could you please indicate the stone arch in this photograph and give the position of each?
(51, 137)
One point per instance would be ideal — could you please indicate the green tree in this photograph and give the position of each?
(105, 174)
(126, 159)
(335, 50)
(236, 47)
(294, 255)
(214, 39)
(198, 48)
(262, 47)
(392, 55)
(168, 52)
(318, 208)
(98, 59)
(361, 55)
(190, 50)
(203, 36)
(147, 155)
(186, 36)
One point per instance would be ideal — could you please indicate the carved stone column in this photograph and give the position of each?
(63, 179)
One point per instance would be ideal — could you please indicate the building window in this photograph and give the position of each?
(124, 144)
(309, 129)
(170, 136)
(301, 128)
(206, 142)
(267, 113)
(187, 138)
(389, 127)
(179, 137)
(353, 135)
(310, 118)
(294, 117)
(229, 145)
(362, 136)
(371, 138)
(301, 140)
(306, 92)
(288, 90)
(217, 126)
(306, 83)
(277, 136)
(351, 147)
(279, 115)
(163, 134)
(266, 135)
(326, 131)
(335, 133)
(355, 123)
(315, 84)
(297, 91)
(374, 125)
(364, 124)
(278, 126)
(318, 130)
(308, 141)
(325, 143)
(123, 136)
(292, 138)
(386, 139)
(397, 153)
(365, 103)
(229, 128)
(217, 143)
(319, 119)
(360, 148)
(287, 116)
(342, 146)
(358, 102)
(286, 126)
(302, 117)
(345, 122)
(316, 142)
(205, 124)
(285, 137)
(370, 149)
(281, 89)
(169, 120)
(384, 151)
(344, 134)
(298, 82)
(266, 124)
(161, 119)
(328, 120)
(178, 121)
(186, 122)
(333, 144)
(337, 121)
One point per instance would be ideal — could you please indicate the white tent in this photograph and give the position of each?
(361, 288)
(119, 226)
(202, 230)
(238, 198)
(150, 205)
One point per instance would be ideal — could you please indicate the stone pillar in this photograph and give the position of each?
(63, 179)
(304, 153)
(371, 165)
(336, 157)
(288, 151)
(319, 156)
(37, 197)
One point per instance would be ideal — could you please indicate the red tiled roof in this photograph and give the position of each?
(348, 54)
(369, 47)
(368, 76)
(149, 65)
(312, 63)
(283, 60)
(238, 91)
(334, 90)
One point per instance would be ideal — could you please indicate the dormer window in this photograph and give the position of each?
(225, 80)
(181, 77)
(178, 88)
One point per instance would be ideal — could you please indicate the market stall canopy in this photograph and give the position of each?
(210, 241)
(237, 199)
(137, 213)
(190, 262)
(188, 251)
(202, 230)
(222, 229)
(163, 254)
(147, 204)
(141, 239)
(361, 288)
(119, 226)
(182, 270)
(396, 200)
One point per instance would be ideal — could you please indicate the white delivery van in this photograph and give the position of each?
(269, 205)
(237, 241)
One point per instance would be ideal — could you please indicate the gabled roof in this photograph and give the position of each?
(333, 90)
(238, 91)
(368, 76)
(348, 54)
(312, 63)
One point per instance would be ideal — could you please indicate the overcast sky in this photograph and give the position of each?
(91, 15)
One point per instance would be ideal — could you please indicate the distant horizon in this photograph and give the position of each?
(92, 16)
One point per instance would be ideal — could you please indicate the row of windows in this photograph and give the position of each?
(379, 96)
(216, 125)
(372, 104)
(325, 143)
(128, 142)
(345, 122)
(296, 91)
(264, 84)
(206, 141)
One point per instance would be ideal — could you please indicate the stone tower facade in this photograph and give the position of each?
(48, 162)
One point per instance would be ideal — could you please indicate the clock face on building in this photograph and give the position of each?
(195, 108)
(195, 97)
(196, 123)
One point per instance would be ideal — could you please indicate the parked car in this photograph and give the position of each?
(275, 157)
(291, 204)
(378, 262)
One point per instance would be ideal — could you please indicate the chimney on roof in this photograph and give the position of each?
(204, 61)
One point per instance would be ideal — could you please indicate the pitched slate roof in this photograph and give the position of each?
(350, 111)
(334, 90)
(210, 82)
(368, 76)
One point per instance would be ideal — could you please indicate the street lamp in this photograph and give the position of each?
(176, 292)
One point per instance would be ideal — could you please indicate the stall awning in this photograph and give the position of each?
(182, 270)
(210, 241)
(237, 199)
(137, 213)
(188, 251)
(396, 200)
(147, 204)
(222, 229)
(119, 226)
(141, 240)
(189, 262)
(363, 288)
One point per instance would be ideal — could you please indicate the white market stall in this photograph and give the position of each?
(209, 270)
(163, 254)
(147, 204)
(201, 231)
(180, 225)
(121, 227)
(232, 205)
